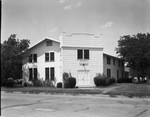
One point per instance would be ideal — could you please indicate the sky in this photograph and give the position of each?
(38, 19)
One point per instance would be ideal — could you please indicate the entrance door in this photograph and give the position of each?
(83, 77)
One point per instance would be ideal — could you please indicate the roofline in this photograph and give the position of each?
(111, 55)
(43, 40)
(80, 46)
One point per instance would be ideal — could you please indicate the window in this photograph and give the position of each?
(49, 56)
(52, 56)
(32, 58)
(32, 74)
(117, 74)
(52, 73)
(82, 54)
(46, 73)
(46, 57)
(108, 60)
(119, 62)
(49, 73)
(114, 61)
(35, 74)
(49, 43)
(86, 54)
(122, 63)
(108, 72)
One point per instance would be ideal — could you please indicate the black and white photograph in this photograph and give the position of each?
(75, 58)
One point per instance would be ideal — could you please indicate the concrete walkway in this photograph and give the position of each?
(42, 105)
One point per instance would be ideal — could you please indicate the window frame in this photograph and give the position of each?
(108, 60)
(49, 43)
(47, 57)
(52, 56)
(109, 73)
(83, 55)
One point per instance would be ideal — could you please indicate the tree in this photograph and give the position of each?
(12, 52)
(135, 50)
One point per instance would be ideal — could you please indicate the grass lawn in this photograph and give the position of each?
(125, 89)
(131, 90)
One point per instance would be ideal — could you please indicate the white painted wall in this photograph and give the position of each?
(40, 49)
(113, 68)
(71, 64)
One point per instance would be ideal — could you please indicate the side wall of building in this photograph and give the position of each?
(115, 65)
(40, 50)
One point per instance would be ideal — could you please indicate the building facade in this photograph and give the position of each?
(79, 54)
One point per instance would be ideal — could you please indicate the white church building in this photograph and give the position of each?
(80, 54)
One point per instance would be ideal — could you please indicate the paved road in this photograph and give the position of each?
(42, 105)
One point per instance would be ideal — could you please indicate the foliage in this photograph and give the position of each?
(101, 80)
(112, 80)
(11, 57)
(124, 80)
(135, 50)
(59, 85)
(10, 82)
(38, 83)
(48, 83)
(71, 82)
(68, 80)
(28, 84)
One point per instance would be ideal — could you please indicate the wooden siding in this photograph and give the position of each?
(40, 50)
(81, 40)
(71, 64)
(113, 67)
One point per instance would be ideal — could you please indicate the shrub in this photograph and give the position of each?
(10, 82)
(112, 80)
(59, 85)
(101, 80)
(48, 83)
(124, 80)
(25, 84)
(38, 83)
(71, 82)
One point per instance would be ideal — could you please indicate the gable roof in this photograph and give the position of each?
(48, 39)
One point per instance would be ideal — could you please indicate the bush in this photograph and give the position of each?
(71, 82)
(101, 80)
(124, 80)
(68, 80)
(10, 82)
(112, 81)
(59, 85)
(38, 83)
(48, 83)
(28, 84)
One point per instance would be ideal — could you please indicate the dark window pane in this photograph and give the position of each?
(108, 60)
(47, 73)
(46, 57)
(30, 58)
(52, 56)
(35, 74)
(35, 57)
(86, 54)
(114, 61)
(80, 54)
(108, 73)
(49, 43)
(30, 74)
(52, 73)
